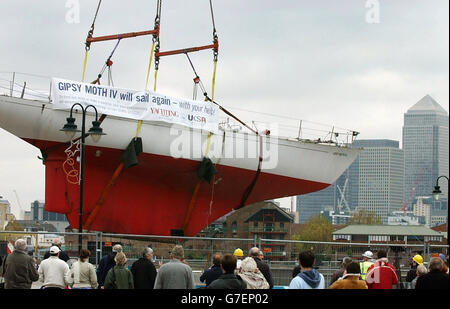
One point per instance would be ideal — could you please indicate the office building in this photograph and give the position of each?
(373, 182)
(39, 214)
(425, 146)
(380, 177)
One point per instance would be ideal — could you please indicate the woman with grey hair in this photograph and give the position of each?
(420, 271)
(251, 275)
(119, 277)
(20, 268)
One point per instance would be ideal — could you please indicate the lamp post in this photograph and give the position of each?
(436, 192)
(70, 128)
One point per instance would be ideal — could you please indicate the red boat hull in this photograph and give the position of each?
(153, 197)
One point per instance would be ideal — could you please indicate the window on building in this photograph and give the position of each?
(268, 227)
(234, 227)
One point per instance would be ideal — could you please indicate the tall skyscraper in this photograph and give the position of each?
(379, 169)
(425, 145)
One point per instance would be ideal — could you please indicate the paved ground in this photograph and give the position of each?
(36, 285)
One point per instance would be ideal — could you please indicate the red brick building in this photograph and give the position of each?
(263, 220)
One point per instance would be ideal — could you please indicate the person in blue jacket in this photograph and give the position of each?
(106, 263)
(214, 272)
(308, 278)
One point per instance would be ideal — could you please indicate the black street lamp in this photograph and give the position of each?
(70, 128)
(436, 192)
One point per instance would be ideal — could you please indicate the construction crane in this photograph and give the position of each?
(342, 200)
(20, 205)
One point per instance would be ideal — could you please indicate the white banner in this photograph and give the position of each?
(139, 105)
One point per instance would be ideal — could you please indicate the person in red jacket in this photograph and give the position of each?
(381, 275)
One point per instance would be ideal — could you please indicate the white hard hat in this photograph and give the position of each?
(368, 254)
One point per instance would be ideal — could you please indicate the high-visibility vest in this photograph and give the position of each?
(364, 267)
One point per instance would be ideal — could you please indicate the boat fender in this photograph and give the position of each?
(129, 156)
(44, 156)
(206, 170)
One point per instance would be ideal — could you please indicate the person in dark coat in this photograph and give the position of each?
(143, 270)
(228, 280)
(20, 268)
(412, 273)
(340, 272)
(62, 254)
(263, 267)
(214, 272)
(106, 263)
(435, 278)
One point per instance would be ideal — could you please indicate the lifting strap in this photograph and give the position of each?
(84, 65)
(206, 167)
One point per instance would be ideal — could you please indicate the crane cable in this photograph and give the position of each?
(155, 44)
(208, 143)
(90, 33)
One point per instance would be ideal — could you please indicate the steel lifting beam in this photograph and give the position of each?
(154, 32)
(214, 46)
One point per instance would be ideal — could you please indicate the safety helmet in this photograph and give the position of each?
(238, 252)
(368, 254)
(418, 259)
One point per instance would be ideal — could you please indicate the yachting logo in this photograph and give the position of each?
(73, 14)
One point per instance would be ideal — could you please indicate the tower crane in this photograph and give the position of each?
(18, 202)
(413, 189)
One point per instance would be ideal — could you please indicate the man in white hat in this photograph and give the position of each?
(62, 254)
(53, 272)
(366, 263)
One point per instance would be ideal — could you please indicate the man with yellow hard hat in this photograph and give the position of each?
(412, 273)
(239, 254)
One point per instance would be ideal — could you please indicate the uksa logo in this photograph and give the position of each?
(196, 118)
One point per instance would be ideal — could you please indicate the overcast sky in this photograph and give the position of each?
(329, 62)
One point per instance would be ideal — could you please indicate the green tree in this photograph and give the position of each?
(364, 217)
(317, 228)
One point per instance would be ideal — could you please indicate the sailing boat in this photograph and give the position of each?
(162, 191)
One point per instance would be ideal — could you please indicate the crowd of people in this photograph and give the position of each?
(229, 271)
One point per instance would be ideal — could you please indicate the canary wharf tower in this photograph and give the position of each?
(425, 146)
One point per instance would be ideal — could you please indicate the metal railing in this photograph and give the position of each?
(199, 251)
(25, 85)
